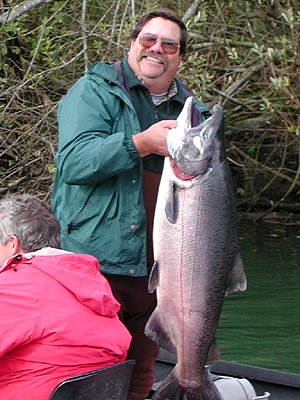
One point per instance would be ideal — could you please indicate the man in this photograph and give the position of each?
(58, 315)
(113, 125)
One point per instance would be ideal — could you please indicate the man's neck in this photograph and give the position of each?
(155, 87)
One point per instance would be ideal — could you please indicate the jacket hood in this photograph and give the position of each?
(78, 273)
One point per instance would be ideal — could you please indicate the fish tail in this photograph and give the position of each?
(170, 389)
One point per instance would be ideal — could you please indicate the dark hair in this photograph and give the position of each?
(31, 220)
(166, 14)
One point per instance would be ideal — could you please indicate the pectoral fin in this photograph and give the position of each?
(170, 207)
(156, 331)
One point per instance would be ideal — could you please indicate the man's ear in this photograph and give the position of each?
(15, 245)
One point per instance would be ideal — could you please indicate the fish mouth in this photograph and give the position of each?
(179, 173)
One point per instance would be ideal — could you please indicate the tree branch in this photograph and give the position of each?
(228, 97)
(262, 167)
(84, 35)
(244, 78)
(20, 9)
(191, 11)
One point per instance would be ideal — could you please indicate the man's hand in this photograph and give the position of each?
(154, 139)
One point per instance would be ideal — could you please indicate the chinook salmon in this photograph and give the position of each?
(196, 253)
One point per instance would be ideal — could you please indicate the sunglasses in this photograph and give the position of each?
(148, 40)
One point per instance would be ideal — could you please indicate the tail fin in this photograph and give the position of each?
(170, 389)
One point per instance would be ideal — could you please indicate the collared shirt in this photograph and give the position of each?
(160, 98)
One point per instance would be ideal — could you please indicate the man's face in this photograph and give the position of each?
(155, 65)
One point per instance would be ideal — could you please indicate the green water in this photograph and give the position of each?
(261, 327)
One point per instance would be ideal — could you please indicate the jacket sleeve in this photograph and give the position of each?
(95, 134)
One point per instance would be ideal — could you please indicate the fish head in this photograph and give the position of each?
(191, 149)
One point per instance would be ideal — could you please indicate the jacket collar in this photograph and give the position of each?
(45, 251)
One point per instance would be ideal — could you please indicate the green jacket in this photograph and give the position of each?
(97, 193)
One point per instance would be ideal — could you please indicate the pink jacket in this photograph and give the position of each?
(58, 318)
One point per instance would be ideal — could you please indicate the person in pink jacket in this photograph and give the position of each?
(58, 315)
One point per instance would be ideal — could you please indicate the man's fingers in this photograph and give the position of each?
(168, 123)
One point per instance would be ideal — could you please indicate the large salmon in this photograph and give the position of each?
(196, 252)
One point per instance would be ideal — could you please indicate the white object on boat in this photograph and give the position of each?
(236, 389)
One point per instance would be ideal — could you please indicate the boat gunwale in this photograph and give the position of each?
(252, 373)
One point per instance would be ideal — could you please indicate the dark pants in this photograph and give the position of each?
(136, 307)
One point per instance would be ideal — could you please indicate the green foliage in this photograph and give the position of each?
(242, 54)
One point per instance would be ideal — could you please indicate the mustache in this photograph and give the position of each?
(156, 56)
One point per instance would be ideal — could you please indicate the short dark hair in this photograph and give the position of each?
(31, 220)
(166, 14)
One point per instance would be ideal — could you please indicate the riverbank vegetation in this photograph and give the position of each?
(243, 55)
